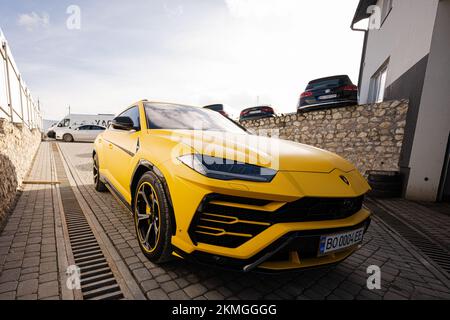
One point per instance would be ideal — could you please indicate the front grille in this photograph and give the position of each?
(317, 209)
(231, 226)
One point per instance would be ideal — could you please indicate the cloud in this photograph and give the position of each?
(32, 21)
(205, 56)
(173, 12)
(261, 8)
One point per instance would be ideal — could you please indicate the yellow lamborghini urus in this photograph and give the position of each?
(201, 187)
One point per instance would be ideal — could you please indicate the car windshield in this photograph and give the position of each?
(180, 117)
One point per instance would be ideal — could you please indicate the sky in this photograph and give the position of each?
(197, 52)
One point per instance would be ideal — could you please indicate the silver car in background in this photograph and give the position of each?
(85, 133)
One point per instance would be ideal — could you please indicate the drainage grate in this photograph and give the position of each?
(97, 279)
(438, 254)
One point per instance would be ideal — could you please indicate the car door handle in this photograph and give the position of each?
(110, 145)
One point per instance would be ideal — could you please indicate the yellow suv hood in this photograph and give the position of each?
(278, 154)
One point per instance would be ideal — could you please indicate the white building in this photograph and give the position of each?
(407, 55)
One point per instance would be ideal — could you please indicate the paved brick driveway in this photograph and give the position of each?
(28, 255)
(405, 273)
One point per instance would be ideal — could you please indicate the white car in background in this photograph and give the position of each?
(85, 133)
(75, 120)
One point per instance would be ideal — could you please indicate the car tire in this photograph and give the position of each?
(68, 137)
(98, 184)
(152, 219)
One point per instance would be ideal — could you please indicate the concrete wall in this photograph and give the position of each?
(18, 145)
(404, 38)
(370, 136)
(433, 123)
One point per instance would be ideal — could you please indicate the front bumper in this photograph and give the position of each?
(188, 189)
(285, 246)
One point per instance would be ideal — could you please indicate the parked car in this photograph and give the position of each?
(328, 92)
(204, 203)
(255, 113)
(86, 133)
(218, 108)
(75, 120)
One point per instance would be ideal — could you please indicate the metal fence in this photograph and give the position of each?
(16, 103)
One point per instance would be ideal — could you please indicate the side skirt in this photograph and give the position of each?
(116, 194)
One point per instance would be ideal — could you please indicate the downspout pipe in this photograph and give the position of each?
(363, 54)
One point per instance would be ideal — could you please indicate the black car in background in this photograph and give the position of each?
(255, 113)
(218, 108)
(328, 92)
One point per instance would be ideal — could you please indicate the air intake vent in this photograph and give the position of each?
(232, 226)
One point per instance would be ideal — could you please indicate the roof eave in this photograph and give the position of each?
(361, 10)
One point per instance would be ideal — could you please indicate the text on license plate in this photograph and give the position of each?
(338, 241)
(255, 111)
(330, 96)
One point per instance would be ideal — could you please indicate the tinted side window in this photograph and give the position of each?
(97, 128)
(84, 128)
(133, 114)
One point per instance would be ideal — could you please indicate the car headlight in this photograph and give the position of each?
(224, 169)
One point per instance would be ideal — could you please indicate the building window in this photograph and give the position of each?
(378, 85)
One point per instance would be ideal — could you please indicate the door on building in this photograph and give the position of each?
(444, 194)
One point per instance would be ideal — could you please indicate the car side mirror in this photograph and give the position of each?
(123, 123)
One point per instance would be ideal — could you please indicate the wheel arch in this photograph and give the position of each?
(142, 167)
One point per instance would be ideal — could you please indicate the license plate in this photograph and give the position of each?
(336, 242)
(255, 111)
(329, 96)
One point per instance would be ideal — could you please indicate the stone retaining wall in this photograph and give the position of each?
(18, 145)
(370, 136)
